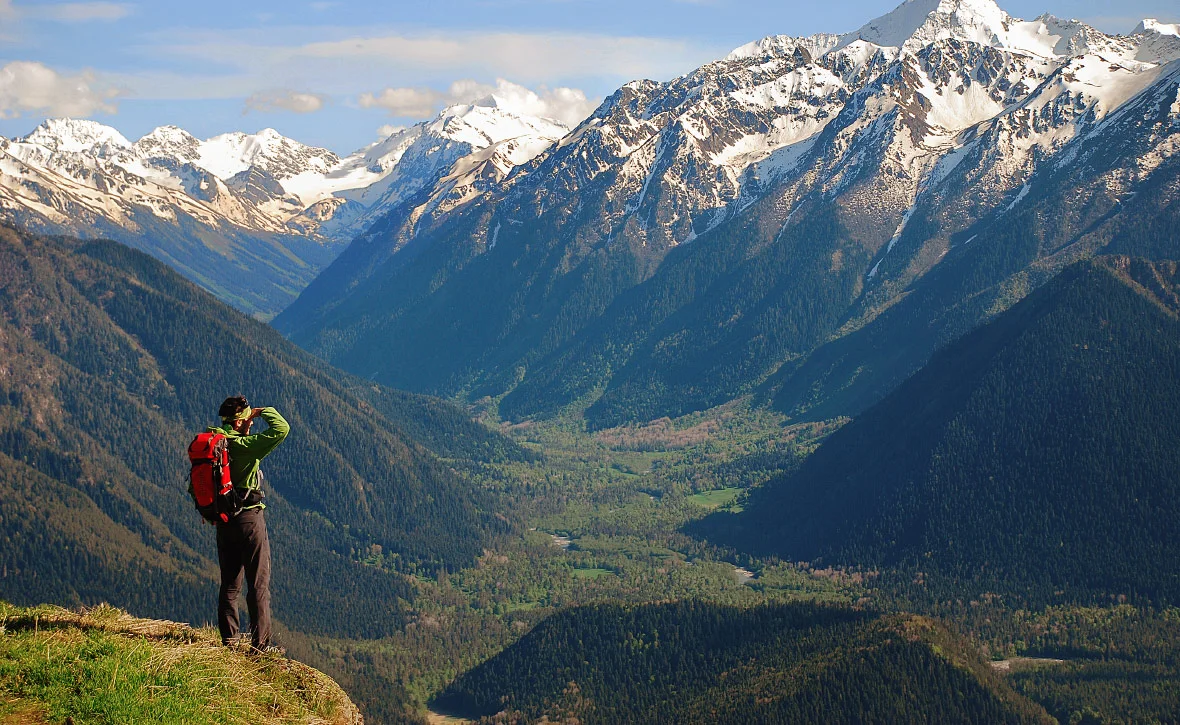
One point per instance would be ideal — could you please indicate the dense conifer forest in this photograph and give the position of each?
(1035, 457)
(689, 662)
(112, 362)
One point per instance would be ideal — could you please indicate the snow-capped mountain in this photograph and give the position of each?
(266, 181)
(85, 178)
(678, 158)
(443, 154)
(890, 149)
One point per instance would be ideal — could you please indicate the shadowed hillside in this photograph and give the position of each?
(111, 362)
(1036, 456)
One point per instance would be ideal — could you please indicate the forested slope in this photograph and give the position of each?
(691, 662)
(111, 362)
(1035, 457)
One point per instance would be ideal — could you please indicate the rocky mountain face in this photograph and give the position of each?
(253, 218)
(807, 218)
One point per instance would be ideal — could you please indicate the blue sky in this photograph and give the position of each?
(334, 73)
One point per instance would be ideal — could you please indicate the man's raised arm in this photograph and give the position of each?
(263, 443)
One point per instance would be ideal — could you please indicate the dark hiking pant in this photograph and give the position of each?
(243, 548)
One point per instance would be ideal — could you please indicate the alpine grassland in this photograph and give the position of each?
(101, 665)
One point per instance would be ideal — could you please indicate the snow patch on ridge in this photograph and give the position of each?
(72, 135)
(785, 45)
(1151, 25)
(917, 23)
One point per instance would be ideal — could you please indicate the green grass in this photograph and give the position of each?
(106, 667)
(594, 573)
(716, 498)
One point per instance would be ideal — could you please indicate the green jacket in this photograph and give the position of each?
(246, 452)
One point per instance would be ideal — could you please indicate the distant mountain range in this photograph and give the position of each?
(806, 219)
(252, 218)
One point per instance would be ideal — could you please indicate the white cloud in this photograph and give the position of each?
(532, 57)
(13, 17)
(568, 105)
(404, 102)
(388, 130)
(30, 86)
(356, 60)
(284, 100)
(82, 12)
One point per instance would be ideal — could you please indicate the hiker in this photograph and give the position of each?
(242, 543)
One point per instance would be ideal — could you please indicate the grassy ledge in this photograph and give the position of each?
(102, 665)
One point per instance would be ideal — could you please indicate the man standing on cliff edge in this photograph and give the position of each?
(242, 543)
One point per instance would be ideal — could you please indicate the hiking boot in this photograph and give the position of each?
(270, 649)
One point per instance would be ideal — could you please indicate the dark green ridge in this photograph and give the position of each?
(691, 662)
(1035, 457)
(112, 362)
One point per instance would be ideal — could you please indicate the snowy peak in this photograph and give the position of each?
(475, 126)
(224, 156)
(70, 169)
(483, 124)
(1151, 25)
(230, 154)
(71, 135)
(783, 46)
(169, 142)
(1158, 42)
(449, 151)
(1048, 36)
(917, 23)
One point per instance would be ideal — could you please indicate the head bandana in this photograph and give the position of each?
(242, 415)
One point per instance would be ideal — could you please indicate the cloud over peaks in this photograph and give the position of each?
(568, 105)
(405, 102)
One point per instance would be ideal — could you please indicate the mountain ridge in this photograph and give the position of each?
(1026, 458)
(113, 361)
(871, 164)
(692, 662)
(251, 217)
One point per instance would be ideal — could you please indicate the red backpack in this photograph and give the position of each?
(210, 485)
